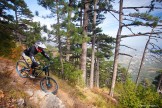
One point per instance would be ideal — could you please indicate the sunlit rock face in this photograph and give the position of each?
(40, 99)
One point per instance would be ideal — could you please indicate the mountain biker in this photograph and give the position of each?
(29, 53)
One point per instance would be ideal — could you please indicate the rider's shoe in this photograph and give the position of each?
(31, 76)
(35, 74)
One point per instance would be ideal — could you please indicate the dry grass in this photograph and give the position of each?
(9, 90)
(84, 97)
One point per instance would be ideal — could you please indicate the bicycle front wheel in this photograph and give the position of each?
(22, 69)
(48, 84)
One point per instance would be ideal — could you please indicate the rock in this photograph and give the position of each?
(51, 101)
(44, 100)
(1, 94)
(21, 103)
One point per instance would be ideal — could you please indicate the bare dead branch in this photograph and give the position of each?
(129, 47)
(155, 45)
(125, 54)
(128, 19)
(129, 29)
(134, 16)
(122, 23)
(154, 39)
(143, 34)
(136, 8)
(156, 58)
(141, 24)
(108, 10)
(136, 35)
(159, 25)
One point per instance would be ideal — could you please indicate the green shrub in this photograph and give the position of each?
(132, 97)
(71, 73)
(6, 45)
(128, 97)
(148, 96)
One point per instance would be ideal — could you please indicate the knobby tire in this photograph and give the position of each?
(44, 86)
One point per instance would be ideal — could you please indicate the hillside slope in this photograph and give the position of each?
(26, 93)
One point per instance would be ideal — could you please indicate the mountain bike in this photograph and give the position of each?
(47, 83)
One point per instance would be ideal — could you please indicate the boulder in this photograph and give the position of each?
(41, 99)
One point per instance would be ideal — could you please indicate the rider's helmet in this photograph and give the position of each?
(40, 46)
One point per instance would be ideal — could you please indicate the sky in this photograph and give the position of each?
(109, 25)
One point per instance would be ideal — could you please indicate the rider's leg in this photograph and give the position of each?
(34, 64)
(31, 71)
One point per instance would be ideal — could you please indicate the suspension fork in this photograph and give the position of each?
(46, 71)
(47, 76)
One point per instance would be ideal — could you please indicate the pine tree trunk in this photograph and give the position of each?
(16, 28)
(97, 70)
(143, 58)
(93, 47)
(68, 32)
(129, 65)
(84, 43)
(116, 56)
(59, 41)
(159, 83)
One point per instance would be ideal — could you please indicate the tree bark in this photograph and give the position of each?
(17, 22)
(116, 56)
(68, 32)
(159, 83)
(97, 70)
(93, 47)
(84, 43)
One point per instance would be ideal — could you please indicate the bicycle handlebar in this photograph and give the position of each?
(41, 67)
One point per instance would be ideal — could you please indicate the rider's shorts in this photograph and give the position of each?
(27, 58)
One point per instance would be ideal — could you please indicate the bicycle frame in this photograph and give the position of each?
(44, 69)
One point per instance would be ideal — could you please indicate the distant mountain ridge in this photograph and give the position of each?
(149, 67)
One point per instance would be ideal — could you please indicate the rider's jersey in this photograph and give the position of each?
(31, 52)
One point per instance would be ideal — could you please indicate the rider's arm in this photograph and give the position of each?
(45, 55)
(32, 53)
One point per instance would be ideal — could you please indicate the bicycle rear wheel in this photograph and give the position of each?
(22, 69)
(48, 84)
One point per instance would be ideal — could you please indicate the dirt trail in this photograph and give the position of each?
(29, 84)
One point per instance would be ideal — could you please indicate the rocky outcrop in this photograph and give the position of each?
(40, 99)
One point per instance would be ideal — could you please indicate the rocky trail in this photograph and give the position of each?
(36, 97)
